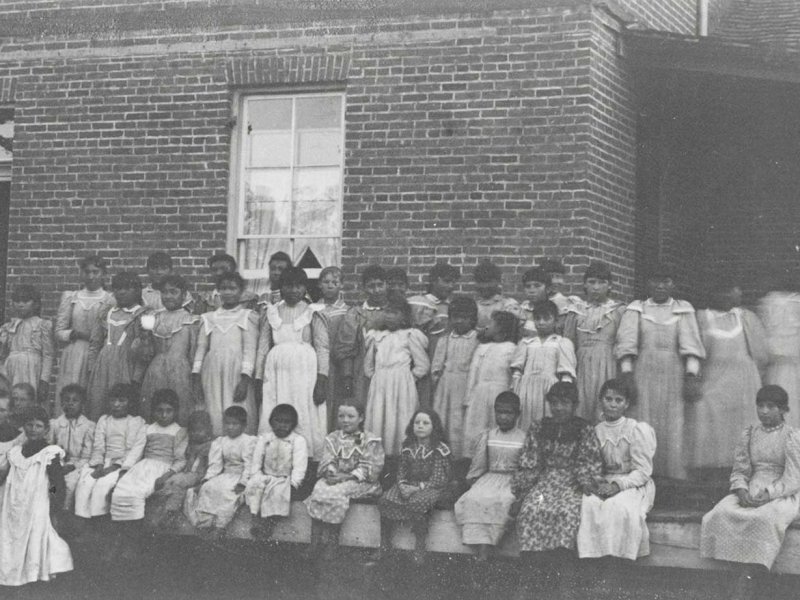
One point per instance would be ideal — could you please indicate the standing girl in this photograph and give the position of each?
(77, 314)
(26, 342)
(114, 346)
(396, 358)
(592, 326)
(539, 362)
(536, 282)
(422, 480)
(292, 360)
(659, 341)
(226, 353)
(450, 370)
(173, 339)
(489, 374)
(30, 548)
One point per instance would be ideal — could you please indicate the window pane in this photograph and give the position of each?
(267, 207)
(320, 112)
(317, 184)
(316, 202)
(270, 149)
(326, 250)
(319, 147)
(272, 113)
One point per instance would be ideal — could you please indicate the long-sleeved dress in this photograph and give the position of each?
(430, 469)
(358, 454)
(113, 355)
(27, 345)
(77, 311)
(30, 548)
(616, 526)
(215, 504)
(278, 465)
(430, 315)
(541, 363)
(226, 350)
(592, 328)
(780, 314)
(450, 374)
(163, 449)
(661, 337)
(333, 316)
(75, 437)
(349, 345)
(767, 460)
(735, 345)
(113, 444)
(174, 338)
(292, 350)
(482, 512)
(557, 461)
(489, 374)
(393, 362)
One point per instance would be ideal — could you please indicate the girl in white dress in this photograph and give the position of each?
(613, 518)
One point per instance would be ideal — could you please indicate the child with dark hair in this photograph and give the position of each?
(450, 370)
(396, 358)
(226, 355)
(74, 433)
(164, 506)
(489, 374)
(159, 265)
(350, 468)
(332, 309)
(220, 264)
(349, 346)
(396, 282)
(212, 504)
(115, 436)
(23, 399)
(483, 511)
(114, 343)
(488, 285)
(592, 326)
(77, 313)
(422, 480)
(278, 263)
(26, 342)
(556, 271)
(539, 362)
(292, 361)
(30, 548)
(280, 460)
(170, 338)
(536, 282)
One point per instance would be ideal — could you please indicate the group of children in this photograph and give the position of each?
(414, 381)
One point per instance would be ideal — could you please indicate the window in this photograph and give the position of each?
(288, 196)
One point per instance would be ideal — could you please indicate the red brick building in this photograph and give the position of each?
(401, 133)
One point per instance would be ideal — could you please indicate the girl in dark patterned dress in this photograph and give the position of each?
(560, 463)
(422, 479)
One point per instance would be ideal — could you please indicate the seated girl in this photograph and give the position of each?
(422, 480)
(164, 506)
(279, 464)
(613, 518)
(748, 526)
(115, 436)
(30, 547)
(212, 504)
(157, 455)
(350, 468)
(483, 511)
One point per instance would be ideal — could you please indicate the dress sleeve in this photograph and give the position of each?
(588, 459)
(369, 355)
(345, 344)
(299, 461)
(257, 461)
(97, 456)
(642, 449)
(370, 464)
(530, 467)
(264, 344)
(215, 460)
(328, 463)
(47, 349)
(439, 358)
(418, 348)
(627, 343)
(789, 482)
(136, 451)
(756, 337)
(742, 467)
(202, 346)
(85, 453)
(566, 358)
(422, 315)
(402, 469)
(64, 318)
(194, 332)
(247, 456)
(518, 358)
(179, 453)
(571, 327)
(97, 337)
(480, 458)
(58, 487)
(689, 342)
(250, 344)
(321, 343)
(442, 470)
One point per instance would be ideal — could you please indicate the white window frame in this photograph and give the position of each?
(238, 162)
